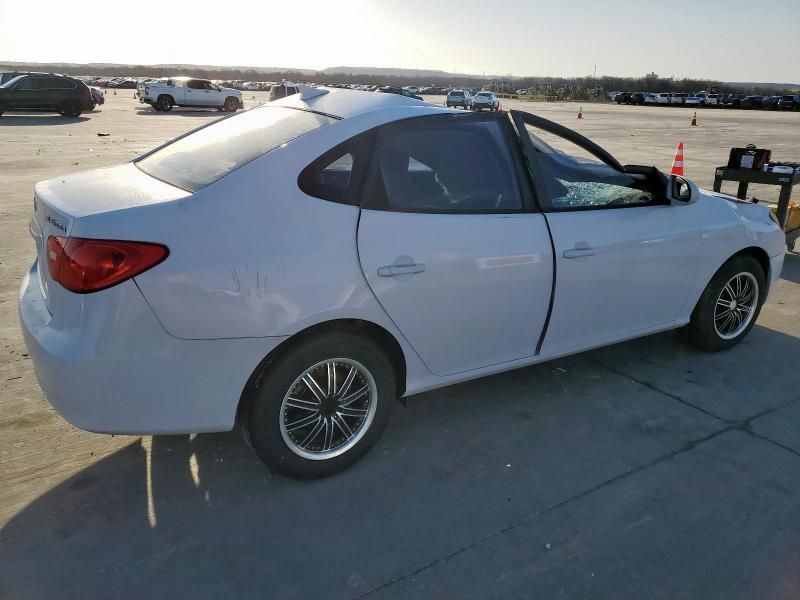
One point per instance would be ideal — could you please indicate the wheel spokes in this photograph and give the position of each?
(328, 408)
(304, 422)
(312, 385)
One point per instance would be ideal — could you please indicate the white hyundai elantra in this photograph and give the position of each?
(299, 266)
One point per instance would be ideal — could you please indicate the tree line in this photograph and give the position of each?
(647, 83)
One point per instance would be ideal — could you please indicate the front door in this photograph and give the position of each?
(450, 245)
(625, 253)
(23, 96)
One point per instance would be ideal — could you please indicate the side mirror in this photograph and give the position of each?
(681, 189)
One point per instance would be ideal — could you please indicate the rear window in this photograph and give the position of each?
(210, 153)
(484, 94)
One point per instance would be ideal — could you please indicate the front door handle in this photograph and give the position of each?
(392, 270)
(578, 252)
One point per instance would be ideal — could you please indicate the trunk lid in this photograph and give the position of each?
(59, 204)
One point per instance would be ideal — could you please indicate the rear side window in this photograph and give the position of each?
(456, 165)
(338, 175)
(211, 152)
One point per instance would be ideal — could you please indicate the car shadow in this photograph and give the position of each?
(200, 516)
(36, 120)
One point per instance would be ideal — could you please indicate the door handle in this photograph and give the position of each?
(578, 252)
(392, 270)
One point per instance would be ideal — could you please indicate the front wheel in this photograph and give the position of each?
(321, 406)
(231, 104)
(729, 306)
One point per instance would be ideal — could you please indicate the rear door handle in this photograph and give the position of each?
(392, 270)
(578, 252)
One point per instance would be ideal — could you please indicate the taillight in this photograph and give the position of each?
(84, 266)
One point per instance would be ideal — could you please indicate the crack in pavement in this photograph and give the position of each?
(741, 425)
(650, 386)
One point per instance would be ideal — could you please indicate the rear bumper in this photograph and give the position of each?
(115, 370)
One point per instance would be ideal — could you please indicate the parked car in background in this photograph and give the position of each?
(623, 98)
(401, 253)
(650, 98)
(413, 89)
(692, 101)
(485, 100)
(789, 103)
(770, 102)
(390, 89)
(750, 102)
(281, 90)
(677, 98)
(730, 100)
(46, 92)
(637, 98)
(663, 98)
(709, 99)
(97, 95)
(460, 98)
(163, 94)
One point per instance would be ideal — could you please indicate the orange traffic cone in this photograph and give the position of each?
(677, 164)
(694, 119)
(580, 112)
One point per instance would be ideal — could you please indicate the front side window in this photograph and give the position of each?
(208, 154)
(573, 179)
(446, 165)
(23, 83)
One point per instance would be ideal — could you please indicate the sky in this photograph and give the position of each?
(727, 40)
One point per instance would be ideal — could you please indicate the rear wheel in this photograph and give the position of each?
(321, 406)
(729, 306)
(165, 103)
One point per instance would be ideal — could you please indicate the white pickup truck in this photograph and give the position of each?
(163, 94)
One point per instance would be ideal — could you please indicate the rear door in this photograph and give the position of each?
(625, 254)
(450, 243)
(196, 93)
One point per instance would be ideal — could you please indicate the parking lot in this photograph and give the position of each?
(644, 470)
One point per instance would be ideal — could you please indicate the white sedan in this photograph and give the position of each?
(299, 266)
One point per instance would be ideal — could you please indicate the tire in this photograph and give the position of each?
(709, 328)
(164, 103)
(231, 104)
(70, 108)
(290, 452)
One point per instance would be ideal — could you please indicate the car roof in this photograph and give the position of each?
(347, 103)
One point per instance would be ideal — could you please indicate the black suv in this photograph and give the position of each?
(46, 92)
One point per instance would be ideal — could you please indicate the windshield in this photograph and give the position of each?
(11, 82)
(459, 94)
(210, 153)
(484, 94)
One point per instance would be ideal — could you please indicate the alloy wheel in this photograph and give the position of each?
(736, 305)
(328, 409)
